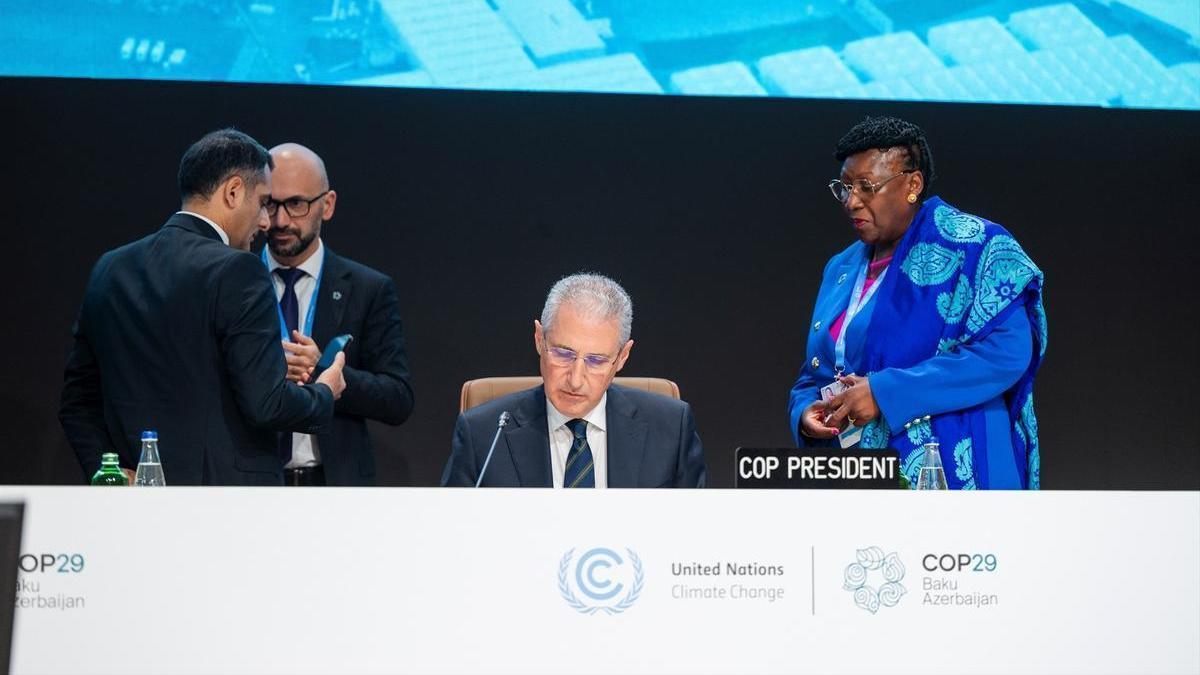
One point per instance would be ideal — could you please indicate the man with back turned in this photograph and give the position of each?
(178, 332)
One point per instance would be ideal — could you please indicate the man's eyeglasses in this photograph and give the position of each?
(296, 207)
(865, 188)
(561, 356)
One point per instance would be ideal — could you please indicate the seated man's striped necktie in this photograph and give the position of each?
(580, 472)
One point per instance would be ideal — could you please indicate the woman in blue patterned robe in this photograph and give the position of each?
(946, 331)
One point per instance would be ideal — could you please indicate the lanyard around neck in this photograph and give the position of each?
(858, 300)
(312, 303)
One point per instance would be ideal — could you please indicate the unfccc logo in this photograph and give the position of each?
(869, 597)
(607, 582)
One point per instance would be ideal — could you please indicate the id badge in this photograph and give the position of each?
(833, 389)
(850, 437)
(828, 392)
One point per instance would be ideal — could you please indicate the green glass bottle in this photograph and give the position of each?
(110, 471)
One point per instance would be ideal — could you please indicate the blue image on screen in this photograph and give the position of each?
(1114, 53)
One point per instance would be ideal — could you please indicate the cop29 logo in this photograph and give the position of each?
(607, 582)
(872, 597)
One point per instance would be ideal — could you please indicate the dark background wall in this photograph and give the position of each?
(712, 212)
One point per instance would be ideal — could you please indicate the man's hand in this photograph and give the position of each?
(333, 378)
(130, 475)
(856, 405)
(302, 357)
(812, 421)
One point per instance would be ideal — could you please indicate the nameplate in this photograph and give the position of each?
(819, 468)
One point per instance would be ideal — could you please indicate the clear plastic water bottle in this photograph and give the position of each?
(149, 469)
(933, 476)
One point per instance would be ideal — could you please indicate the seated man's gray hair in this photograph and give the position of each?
(594, 296)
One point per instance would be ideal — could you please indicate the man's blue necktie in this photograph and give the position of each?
(580, 472)
(289, 306)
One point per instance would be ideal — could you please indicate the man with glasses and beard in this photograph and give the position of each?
(177, 333)
(578, 429)
(323, 295)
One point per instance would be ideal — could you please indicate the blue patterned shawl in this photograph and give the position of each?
(955, 277)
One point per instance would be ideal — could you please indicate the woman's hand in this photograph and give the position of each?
(855, 406)
(812, 421)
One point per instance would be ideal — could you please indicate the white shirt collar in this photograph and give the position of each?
(598, 417)
(312, 266)
(224, 237)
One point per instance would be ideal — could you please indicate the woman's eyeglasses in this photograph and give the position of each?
(865, 188)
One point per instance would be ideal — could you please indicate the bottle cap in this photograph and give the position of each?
(149, 435)
(110, 458)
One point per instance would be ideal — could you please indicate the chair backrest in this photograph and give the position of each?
(476, 392)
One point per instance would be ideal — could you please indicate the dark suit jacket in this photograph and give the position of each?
(652, 442)
(180, 333)
(356, 299)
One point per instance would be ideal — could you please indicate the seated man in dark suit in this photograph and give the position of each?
(179, 332)
(578, 429)
(322, 295)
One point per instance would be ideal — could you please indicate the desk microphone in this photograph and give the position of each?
(500, 424)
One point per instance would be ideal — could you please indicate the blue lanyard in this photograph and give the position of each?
(312, 303)
(857, 302)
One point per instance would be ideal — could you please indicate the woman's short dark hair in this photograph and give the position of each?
(217, 156)
(883, 133)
